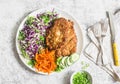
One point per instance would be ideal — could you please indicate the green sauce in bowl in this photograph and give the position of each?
(82, 77)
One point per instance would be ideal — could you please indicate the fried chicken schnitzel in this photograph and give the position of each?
(61, 37)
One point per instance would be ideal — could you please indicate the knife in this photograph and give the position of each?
(114, 45)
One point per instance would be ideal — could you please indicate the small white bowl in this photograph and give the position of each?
(90, 77)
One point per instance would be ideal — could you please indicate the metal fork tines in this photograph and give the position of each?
(104, 28)
(97, 32)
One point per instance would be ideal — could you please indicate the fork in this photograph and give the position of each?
(97, 32)
(104, 28)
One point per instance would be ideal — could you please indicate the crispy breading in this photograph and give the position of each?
(61, 37)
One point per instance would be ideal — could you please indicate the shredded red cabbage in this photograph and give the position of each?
(33, 33)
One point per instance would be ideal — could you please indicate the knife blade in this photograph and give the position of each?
(111, 24)
(114, 45)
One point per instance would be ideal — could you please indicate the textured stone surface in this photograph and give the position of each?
(12, 12)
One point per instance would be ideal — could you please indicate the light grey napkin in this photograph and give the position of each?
(93, 49)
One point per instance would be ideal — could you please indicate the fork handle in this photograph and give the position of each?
(99, 57)
(104, 56)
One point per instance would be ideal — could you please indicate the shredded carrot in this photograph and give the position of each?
(45, 61)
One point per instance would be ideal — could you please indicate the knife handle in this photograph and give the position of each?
(115, 54)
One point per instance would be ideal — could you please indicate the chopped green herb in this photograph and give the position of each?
(45, 18)
(81, 78)
(87, 65)
(21, 35)
(37, 30)
(37, 42)
(31, 62)
(42, 38)
(24, 53)
(30, 20)
(84, 65)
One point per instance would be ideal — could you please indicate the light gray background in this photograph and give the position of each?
(12, 12)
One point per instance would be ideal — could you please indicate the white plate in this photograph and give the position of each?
(61, 13)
